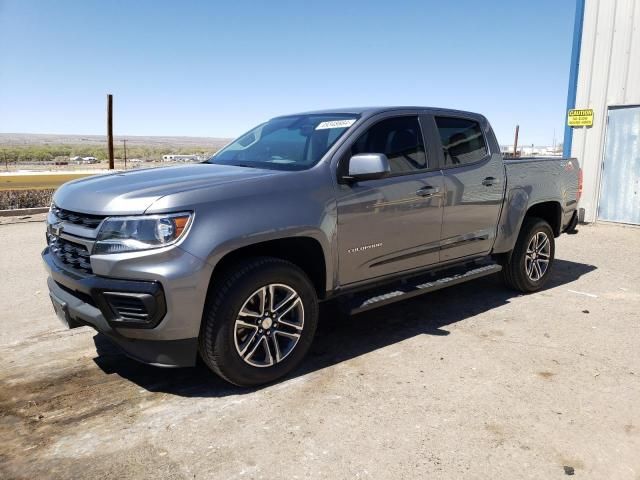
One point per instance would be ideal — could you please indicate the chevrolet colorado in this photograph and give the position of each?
(229, 259)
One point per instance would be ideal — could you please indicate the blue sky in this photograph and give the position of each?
(206, 68)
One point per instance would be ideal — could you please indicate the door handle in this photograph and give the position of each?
(428, 191)
(487, 182)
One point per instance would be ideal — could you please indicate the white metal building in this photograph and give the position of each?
(605, 76)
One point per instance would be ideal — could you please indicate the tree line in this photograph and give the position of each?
(47, 153)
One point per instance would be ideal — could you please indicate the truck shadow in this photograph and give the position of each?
(339, 337)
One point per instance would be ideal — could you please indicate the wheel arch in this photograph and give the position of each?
(306, 252)
(515, 211)
(549, 211)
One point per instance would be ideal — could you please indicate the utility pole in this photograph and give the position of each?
(515, 142)
(124, 142)
(110, 130)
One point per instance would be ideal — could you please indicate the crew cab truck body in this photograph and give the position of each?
(228, 259)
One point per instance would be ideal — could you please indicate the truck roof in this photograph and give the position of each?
(368, 111)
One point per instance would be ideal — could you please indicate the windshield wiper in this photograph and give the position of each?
(242, 165)
(246, 165)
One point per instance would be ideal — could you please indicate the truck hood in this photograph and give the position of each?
(131, 193)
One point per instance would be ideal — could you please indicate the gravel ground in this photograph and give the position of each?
(472, 381)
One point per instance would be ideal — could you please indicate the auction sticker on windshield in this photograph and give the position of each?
(336, 124)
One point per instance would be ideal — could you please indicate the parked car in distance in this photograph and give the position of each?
(229, 259)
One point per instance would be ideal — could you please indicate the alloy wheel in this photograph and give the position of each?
(537, 257)
(269, 324)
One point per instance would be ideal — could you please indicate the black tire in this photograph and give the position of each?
(218, 338)
(515, 269)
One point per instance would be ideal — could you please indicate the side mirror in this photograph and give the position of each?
(368, 166)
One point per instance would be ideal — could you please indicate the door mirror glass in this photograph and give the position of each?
(368, 166)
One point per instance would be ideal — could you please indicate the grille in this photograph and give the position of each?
(84, 219)
(71, 254)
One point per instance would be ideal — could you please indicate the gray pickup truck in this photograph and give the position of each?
(230, 258)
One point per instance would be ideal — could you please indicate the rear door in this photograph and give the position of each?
(392, 224)
(474, 182)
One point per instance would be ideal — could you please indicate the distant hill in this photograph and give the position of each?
(29, 139)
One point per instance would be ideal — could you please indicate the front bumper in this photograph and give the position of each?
(167, 337)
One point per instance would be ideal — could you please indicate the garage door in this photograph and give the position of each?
(620, 191)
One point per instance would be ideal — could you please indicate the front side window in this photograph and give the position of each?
(462, 141)
(286, 143)
(400, 139)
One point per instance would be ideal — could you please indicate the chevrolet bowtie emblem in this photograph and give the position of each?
(56, 229)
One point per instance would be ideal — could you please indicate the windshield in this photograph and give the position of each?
(286, 143)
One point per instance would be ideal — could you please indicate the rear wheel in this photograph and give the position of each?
(531, 261)
(259, 322)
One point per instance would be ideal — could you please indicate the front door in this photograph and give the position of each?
(474, 183)
(393, 224)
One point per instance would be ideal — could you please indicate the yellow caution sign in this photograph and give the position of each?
(580, 118)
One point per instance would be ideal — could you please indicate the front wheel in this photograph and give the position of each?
(531, 261)
(259, 322)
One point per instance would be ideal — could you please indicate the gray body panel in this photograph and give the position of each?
(471, 209)
(132, 192)
(367, 231)
(532, 181)
(384, 227)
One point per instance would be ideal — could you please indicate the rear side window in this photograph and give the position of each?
(400, 139)
(462, 141)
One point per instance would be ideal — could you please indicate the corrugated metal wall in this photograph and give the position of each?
(608, 75)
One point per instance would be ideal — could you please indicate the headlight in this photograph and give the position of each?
(128, 234)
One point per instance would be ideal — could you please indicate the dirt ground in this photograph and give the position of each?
(473, 381)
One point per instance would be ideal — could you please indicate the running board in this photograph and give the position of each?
(421, 285)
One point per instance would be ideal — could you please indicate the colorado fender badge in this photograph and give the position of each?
(364, 247)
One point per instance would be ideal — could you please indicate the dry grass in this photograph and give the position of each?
(38, 181)
(12, 199)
